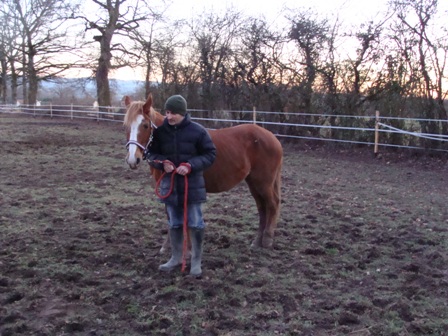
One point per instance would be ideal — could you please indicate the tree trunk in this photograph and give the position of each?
(147, 82)
(32, 81)
(13, 81)
(102, 72)
(24, 79)
(4, 81)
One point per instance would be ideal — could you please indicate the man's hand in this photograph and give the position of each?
(183, 169)
(168, 166)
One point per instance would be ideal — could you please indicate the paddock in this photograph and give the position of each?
(361, 245)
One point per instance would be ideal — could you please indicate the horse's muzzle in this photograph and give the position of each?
(133, 163)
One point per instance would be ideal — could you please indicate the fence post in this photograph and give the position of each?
(71, 111)
(34, 110)
(254, 115)
(51, 110)
(377, 134)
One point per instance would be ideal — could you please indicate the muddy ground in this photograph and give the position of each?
(361, 246)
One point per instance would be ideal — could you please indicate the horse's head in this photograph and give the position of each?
(139, 123)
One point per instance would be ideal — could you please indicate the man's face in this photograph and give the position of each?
(173, 119)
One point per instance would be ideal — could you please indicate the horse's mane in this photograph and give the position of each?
(134, 109)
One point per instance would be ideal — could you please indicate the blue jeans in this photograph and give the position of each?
(176, 216)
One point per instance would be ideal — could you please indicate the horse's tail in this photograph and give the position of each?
(278, 188)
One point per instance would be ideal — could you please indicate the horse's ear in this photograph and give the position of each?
(127, 101)
(147, 106)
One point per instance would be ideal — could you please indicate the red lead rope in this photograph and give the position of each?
(185, 224)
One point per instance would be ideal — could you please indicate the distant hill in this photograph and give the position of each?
(127, 87)
(120, 87)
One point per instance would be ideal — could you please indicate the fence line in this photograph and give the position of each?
(292, 125)
(439, 137)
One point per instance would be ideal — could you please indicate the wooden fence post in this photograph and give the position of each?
(254, 115)
(377, 135)
(71, 111)
(51, 110)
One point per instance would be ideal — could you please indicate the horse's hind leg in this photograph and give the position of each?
(267, 197)
(257, 242)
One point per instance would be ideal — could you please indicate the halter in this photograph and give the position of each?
(139, 145)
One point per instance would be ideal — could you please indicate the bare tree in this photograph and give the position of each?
(3, 62)
(213, 37)
(359, 70)
(310, 35)
(113, 18)
(429, 55)
(150, 41)
(329, 71)
(12, 55)
(44, 30)
(258, 74)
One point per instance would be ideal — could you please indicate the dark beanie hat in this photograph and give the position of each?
(176, 104)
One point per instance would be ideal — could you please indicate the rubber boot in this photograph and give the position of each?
(176, 240)
(197, 242)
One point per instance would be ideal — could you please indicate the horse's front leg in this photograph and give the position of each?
(167, 241)
(165, 244)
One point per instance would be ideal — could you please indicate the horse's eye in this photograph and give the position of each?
(145, 126)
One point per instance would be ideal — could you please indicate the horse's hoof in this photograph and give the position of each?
(267, 242)
(256, 243)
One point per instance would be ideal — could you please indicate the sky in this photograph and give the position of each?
(354, 11)
(350, 12)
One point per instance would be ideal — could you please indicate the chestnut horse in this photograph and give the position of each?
(244, 152)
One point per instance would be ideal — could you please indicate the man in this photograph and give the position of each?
(182, 147)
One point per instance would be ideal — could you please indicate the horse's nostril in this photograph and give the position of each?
(138, 160)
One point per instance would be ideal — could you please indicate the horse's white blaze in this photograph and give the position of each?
(132, 160)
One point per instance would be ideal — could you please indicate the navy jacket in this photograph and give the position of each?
(187, 142)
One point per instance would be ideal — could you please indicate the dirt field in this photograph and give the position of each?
(361, 246)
